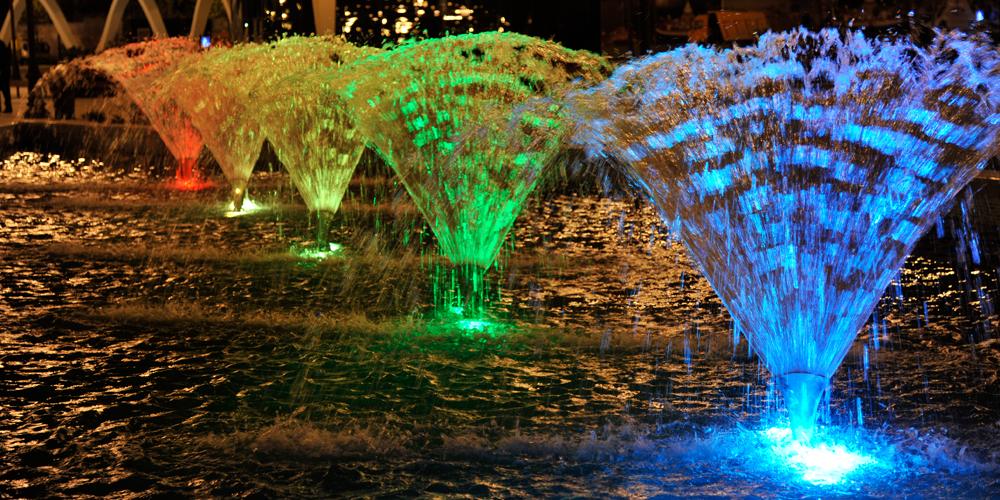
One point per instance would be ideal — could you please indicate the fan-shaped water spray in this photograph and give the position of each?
(801, 171)
(416, 103)
(306, 121)
(139, 69)
(217, 92)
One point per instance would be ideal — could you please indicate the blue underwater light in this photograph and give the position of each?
(817, 463)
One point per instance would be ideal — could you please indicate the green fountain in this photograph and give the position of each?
(306, 121)
(140, 68)
(441, 113)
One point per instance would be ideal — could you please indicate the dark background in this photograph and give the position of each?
(614, 27)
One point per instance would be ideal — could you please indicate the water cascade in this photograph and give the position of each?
(415, 104)
(801, 172)
(216, 91)
(139, 68)
(306, 122)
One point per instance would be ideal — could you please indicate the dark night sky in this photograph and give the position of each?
(575, 23)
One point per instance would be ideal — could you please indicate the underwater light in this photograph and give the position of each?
(822, 463)
(454, 320)
(471, 324)
(248, 207)
(315, 253)
(475, 328)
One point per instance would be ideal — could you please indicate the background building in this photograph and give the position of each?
(615, 27)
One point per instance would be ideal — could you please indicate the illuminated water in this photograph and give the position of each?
(139, 68)
(440, 111)
(153, 347)
(217, 90)
(802, 171)
(306, 121)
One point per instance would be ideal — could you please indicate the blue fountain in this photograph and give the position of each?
(800, 173)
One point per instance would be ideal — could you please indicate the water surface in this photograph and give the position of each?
(154, 347)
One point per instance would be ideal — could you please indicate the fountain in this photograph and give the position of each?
(217, 92)
(306, 121)
(153, 347)
(138, 68)
(415, 104)
(801, 172)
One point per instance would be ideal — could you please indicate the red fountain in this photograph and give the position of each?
(217, 92)
(139, 68)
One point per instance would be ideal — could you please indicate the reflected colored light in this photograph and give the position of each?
(248, 207)
(317, 254)
(189, 184)
(206, 42)
(819, 463)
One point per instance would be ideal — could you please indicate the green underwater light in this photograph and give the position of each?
(334, 250)
(473, 324)
(473, 328)
(465, 322)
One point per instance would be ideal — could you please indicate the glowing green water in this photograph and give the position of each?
(442, 113)
(306, 122)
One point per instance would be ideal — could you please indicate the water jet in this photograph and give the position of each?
(307, 122)
(145, 332)
(139, 69)
(801, 172)
(415, 103)
(216, 91)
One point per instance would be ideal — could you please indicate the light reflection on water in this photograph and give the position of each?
(152, 345)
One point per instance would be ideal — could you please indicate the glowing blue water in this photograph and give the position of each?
(801, 172)
(825, 462)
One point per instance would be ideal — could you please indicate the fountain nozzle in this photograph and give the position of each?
(185, 171)
(802, 392)
(239, 193)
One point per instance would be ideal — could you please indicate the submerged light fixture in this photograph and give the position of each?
(820, 463)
